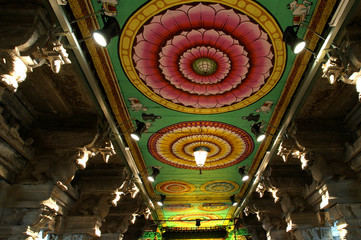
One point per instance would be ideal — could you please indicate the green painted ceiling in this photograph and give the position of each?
(196, 72)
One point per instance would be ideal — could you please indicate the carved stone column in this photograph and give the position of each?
(78, 236)
(88, 225)
(348, 217)
(313, 234)
(26, 210)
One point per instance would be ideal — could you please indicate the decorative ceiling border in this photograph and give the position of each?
(318, 22)
(105, 71)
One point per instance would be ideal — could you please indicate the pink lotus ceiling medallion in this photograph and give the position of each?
(205, 57)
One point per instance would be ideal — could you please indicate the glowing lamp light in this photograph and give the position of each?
(200, 155)
(111, 29)
(256, 130)
(291, 39)
(137, 134)
(153, 176)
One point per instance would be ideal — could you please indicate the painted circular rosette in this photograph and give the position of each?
(213, 207)
(189, 219)
(177, 207)
(175, 144)
(219, 187)
(203, 57)
(175, 187)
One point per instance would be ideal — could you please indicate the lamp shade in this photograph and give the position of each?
(256, 130)
(242, 172)
(198, 222)
(137, 134)
(153, 176)
(200, 155)
(161, 201)
(290, 38)
(111, 29)
(233, 200)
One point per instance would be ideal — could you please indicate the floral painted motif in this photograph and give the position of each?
(175, 187)
(219, 187)
(175, 144)
(203, 56)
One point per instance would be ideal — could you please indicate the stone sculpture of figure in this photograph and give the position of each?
(124, 224)
(60, 169)
(287, 205)
(269, 223)
(252, 117)
(102, 208)
(319, 167)
(289, 146)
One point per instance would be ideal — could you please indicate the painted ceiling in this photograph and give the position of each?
(200, 73)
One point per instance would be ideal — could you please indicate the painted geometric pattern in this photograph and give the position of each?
(219, 187)
(204, 57)
(189, 219)
(175, 187)
(213, 207)
(177, 207)
(175, 144)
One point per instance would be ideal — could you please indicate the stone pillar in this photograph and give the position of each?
(87, 225)
(78, 236)
(320, 233)
(26, 210)
(348, 218)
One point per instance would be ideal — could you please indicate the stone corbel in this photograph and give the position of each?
(289, 147)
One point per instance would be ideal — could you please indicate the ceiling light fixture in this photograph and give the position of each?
(291, 39)
(161, 201)
(233, 200)
(200, 156)
(111, 29)
(256, 130)
(198, 222)
(154, 175)
(242, 172)
(137, 134)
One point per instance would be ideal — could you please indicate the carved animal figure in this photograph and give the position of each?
(299, 11)
(269, 223)
(60, 170)
(286, 203)
(319, 167)
(103, 206)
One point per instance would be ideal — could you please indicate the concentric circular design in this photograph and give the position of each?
(189, 219)
(175, 144)
(203, 57)
(177, 207)
(175, 187)
(204, 66)
(219, 187)
(213, 207)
